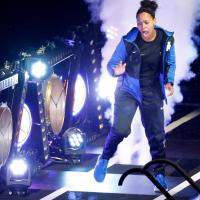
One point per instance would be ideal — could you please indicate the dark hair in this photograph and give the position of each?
(147, 6)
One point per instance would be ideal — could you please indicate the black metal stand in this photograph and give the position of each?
(144, 171)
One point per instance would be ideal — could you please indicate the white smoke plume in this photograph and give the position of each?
(118, 18)
(94, 7)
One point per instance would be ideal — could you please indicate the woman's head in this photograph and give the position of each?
(146, 18)
(147, 6)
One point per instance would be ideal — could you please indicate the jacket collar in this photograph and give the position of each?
(133, 33)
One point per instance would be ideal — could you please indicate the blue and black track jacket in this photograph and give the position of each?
(127, 47)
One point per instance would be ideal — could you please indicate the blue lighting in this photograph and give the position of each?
(38, 69)
(80, 95)
(18, 167)
(74, 139)
(25, 128)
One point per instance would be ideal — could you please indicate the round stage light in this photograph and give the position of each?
(55, 102)
(79, 95)
(18, 176)
(74, 139)
(38, 69)
(6, 133)
(25, 128)
(18, 167)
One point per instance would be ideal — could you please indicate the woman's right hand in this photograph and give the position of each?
(119, 69)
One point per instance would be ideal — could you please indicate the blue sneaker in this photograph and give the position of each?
(100, 169)
(161, 179)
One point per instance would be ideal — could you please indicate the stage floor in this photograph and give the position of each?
(76, 182)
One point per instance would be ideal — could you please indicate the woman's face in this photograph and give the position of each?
(145, 24)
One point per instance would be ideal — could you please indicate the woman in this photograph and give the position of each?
(144, 62)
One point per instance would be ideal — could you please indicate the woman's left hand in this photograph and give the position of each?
(169, 87)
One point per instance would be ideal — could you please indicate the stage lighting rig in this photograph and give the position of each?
(18, 176)
(74, 144)
(25, 127)
(80, 95)
(38, 68)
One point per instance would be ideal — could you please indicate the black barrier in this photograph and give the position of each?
(144, 171)
(149, 175)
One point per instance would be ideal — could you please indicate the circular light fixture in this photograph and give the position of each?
(55, 102)
(25, 128)
(74, 139)
(38, 69)
(6, 132)
(79, 95)
(18, 167)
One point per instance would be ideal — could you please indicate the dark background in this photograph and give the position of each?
(29, 23)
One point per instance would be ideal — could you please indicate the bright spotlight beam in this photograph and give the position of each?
(25, 128)
(38, 69)
(18, 167)
(79, 94)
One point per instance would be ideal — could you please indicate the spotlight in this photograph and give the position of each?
(98, 107)
(74, 144)
(38, 69)
(25, 128)
(94, 70)
(6, 133)
(91, 42)
(44, 148)
(100, 117)
(101, 126)
(18, 176)
(92, 52)
(18, 167)
(80, 95)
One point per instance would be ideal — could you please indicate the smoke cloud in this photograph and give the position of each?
(94, 7)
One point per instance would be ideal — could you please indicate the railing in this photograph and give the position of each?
(144, 170)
